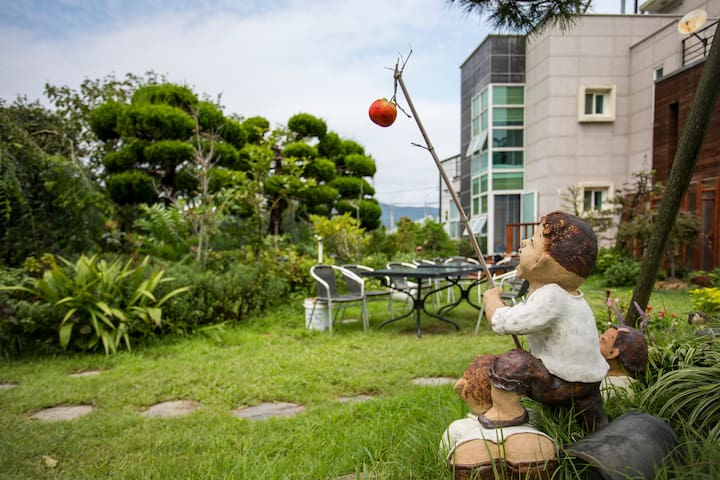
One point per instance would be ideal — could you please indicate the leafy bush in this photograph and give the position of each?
(622, 273)
(102, 303)
(706, 300)
(25, 326)
(605, 258)
(233, 286)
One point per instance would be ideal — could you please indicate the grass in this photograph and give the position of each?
(269, 358)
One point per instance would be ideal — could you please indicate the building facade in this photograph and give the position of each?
(562, 119)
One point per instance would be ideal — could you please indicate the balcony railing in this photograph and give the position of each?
(696, 46)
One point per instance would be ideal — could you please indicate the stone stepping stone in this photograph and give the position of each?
(58, 414)
(173, 408)
(433, 381)
(7, 386)
(355, 398)
(266, 410)
(86, 373)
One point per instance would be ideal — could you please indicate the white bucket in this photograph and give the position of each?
(320, 318)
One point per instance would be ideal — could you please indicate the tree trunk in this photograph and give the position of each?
(701, 111)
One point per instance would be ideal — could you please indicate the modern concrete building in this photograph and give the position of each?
(556, 111)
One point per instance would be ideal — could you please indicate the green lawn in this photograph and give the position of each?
(269, 358)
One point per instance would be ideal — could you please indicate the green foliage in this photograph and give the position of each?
(360, 165)
(168, 232)
(225, 155)
(435, 241)
(352, 187)
(622, 273)
(232, 287)
(47, 201)
(331, 146)
(234, 133)
(300, 150)
(125, 157)
(682, 386)
(256, 128)
(155, 122)
(321, 169)
(320, 195)
(370, 213)
(102, 303)
(166, 94)
(168, 153)
(132, 187)
(25, 326)
(341, 235)
(306, 125)
(706, 300)
(351, 146)
(210, 117)
(606, 257)
(103, 120)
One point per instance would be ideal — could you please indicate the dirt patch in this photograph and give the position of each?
(672, 284)
(433, 381)
(266, 410)
(173, 408)
(59, 414)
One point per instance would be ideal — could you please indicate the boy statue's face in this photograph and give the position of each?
(531, 251)
(607, 343)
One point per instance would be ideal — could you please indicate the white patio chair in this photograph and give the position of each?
(326, 282)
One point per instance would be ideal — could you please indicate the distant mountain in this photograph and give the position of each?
(392, 213)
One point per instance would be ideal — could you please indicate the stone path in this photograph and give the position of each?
(176, 408)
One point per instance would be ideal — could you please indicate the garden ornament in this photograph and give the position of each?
(564, 366)
(626, 351)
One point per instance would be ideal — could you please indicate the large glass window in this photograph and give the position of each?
(505, 117)
(475, 186)
(508, 95)
(483, 162)
(507, 181)
(508, 159)
(483, 183)
(507, 210)
(503, 138)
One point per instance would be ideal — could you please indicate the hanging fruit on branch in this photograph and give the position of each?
(383, 112)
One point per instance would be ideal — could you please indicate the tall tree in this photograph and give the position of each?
(48, 204)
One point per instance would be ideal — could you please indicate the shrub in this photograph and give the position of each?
(622, 273)
(232, 287)
(606, 258)
(706, 300)
(25, 326)
(102, 303)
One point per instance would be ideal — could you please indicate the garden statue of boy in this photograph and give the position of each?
(564, 366)
(626, 351)
(473, 451)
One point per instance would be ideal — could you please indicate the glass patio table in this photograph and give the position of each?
(452, 274)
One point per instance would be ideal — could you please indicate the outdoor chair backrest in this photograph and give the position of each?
(327, 274)
(400, 283)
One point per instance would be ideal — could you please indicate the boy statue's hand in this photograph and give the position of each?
(492, 301)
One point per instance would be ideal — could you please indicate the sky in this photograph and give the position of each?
(272, 58)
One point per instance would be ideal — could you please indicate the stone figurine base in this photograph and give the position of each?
(520, 452)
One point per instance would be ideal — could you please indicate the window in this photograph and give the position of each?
(596, 104)
(507, 181)
(508, 95)
(504, 117)
(595, 197)
(658, 73)
(504, 160)
(503, 138)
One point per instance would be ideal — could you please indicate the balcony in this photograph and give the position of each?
(696, 46)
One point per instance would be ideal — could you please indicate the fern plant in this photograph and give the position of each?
(102, 302)
(169, 233)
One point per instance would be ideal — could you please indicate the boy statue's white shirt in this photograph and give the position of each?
(561, 332)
